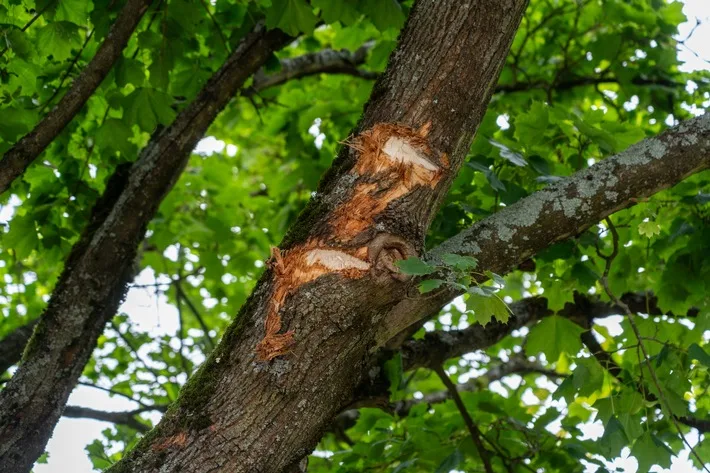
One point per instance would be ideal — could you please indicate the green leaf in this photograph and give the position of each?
(395, 373)
(26, 74)
(614, 439)
(553, 336)
(75, 11)
(510, 155)
(415, 266)
(649, 229)
(429, 285)
(530, 127)
(22, 237)
(58, 38)
(649, 451)
(129, 71)
(148, 107)
(385, 14)
(291, 16)
(450, 462)
(486, 307)
(463, 263)
(16, 40)
(696, 352)
(588, 376)
(337, 10)
(115, 135)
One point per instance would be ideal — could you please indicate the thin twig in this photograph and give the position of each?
(67, 72)
(470, 424)
(217, 27)
(181, 293)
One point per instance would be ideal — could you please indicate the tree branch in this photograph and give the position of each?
(18, 158)
(325, 61)
(100, 264)
(471, 425)
(565, 209)
(127, 418)
(436, 347)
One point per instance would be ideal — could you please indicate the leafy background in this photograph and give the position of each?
(584, 79)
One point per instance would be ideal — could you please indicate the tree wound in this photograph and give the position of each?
(392, 161)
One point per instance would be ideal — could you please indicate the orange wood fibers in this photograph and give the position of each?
(397, 158)
(294, 268)
(177, 440)
(394, 176)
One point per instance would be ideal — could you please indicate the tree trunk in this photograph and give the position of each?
(264, 397)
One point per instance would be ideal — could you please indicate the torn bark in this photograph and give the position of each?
(100, 265)
(247, 415)
(18, 158)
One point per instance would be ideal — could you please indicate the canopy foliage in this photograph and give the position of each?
(584, 79)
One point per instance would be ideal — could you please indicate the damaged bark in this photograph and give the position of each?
(100, 264)
(308, 313)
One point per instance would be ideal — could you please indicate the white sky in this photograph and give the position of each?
(66, 447)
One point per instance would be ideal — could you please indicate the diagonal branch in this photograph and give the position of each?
(565, 209)
(473, 429)
(18, 158)
(100, 264)
(325, 61)
(127, 418)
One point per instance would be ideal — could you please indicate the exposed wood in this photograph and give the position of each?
(246, 415)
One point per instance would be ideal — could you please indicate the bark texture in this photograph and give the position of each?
(18, 158)
(374, 206)
(101, 264)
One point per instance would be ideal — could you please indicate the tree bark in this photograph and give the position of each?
(18, 158)
(333, 278)
(100, 264)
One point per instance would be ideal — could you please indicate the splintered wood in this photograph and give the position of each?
(392, 160)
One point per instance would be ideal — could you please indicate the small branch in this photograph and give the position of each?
(182, 295)
(217, 27)
(325, 61)
(118, 393)
(67, 72)
(127, 418)
(12, 346)
(470, 424)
